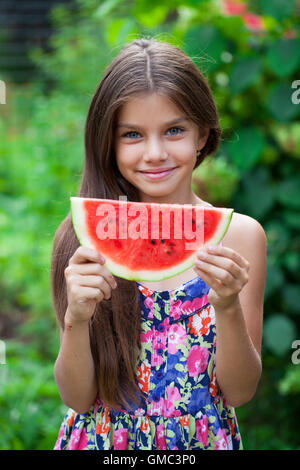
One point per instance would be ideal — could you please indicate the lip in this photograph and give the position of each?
(157, 170)
(157, 174)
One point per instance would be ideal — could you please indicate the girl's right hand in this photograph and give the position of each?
(88, 282)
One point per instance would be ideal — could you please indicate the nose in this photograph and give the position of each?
(155, 150)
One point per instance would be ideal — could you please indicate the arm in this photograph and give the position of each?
(88, 282)
(74, 369)
(236, 273)
(238, 364)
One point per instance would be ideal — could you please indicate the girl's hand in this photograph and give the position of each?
(225, 271)
(88, 282)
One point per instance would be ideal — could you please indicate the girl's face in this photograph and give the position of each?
(153, 134)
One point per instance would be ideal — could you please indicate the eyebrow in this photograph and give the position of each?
(135, 126)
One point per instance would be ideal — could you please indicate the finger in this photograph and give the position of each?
(88, 270)
(216, 272)
(220, 262)
(98, 282)
(84, 254)
(86, 294)
(229, 253)
(212, 282)
(93, 269)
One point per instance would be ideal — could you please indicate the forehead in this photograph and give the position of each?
(145, 107)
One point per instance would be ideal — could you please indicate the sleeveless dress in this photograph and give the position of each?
(182, 408)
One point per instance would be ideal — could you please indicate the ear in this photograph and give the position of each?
(203, 136)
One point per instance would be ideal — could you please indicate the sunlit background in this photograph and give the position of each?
(52, 56)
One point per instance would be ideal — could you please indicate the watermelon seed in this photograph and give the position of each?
(163, 241)
(153, 242)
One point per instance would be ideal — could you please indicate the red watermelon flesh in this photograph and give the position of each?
(147, 241)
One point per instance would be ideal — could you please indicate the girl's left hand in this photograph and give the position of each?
(225, 271)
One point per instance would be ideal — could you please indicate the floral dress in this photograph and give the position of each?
(183, 407)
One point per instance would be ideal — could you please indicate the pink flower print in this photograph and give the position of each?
(148, 302)
(146, 337)
(156, 359)
(158, 348)
(159, 339)
(197, 302)
(177, 335)
(221, 443)
(160, 437)
(156, 407)
(172, 396)
(120, 439)
(175, 309)
(162, 328)
(197, 360)
(59, 437)
(202, 430)
(79, 439)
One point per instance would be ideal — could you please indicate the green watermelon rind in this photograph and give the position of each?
(78, 219)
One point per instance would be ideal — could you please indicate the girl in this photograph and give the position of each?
(155, 365)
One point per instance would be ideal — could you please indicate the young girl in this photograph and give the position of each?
(156, 365)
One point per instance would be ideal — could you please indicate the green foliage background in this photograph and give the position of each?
(256, 171)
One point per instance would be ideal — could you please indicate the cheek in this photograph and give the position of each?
(184, 149)
(126, 158)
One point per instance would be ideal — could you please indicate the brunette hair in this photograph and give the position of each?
(142, 66)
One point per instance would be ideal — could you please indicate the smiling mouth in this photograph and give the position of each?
(158, 170)
(158, 174)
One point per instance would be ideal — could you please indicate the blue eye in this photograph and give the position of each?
(177, 128)
(129, 134)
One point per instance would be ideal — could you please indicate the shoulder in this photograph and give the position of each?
(245, 235)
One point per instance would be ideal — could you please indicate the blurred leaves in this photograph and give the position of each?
(256, 193)
(279, 333)
(290, 384)
(207, 42)
(246, 150)
(29, 401)
(245, 72)
(279, 103)
(288, 192)
(288, 137)
(283, 56)
(278, 9)
(216, 180)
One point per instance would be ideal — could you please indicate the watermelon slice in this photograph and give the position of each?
(147, 241)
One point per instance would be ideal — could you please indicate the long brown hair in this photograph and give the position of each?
(142, 66)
